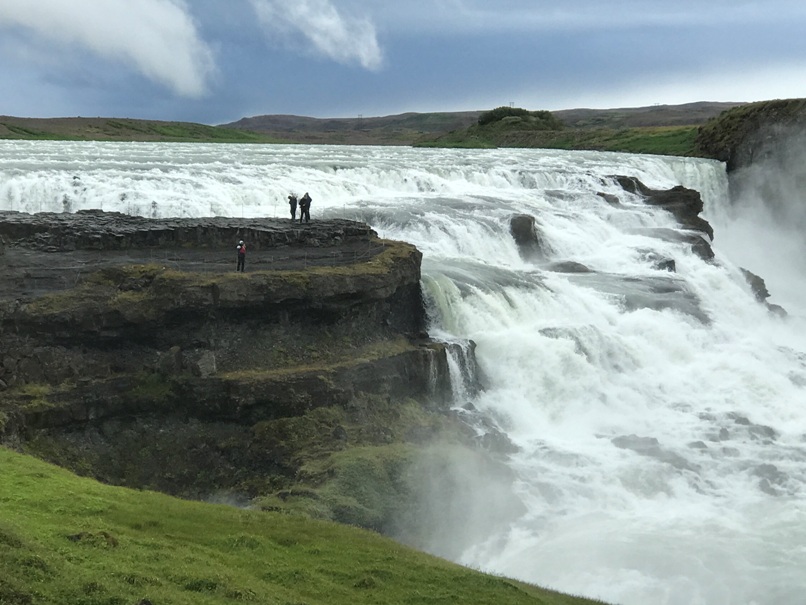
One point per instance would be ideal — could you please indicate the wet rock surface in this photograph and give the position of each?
(684, 203)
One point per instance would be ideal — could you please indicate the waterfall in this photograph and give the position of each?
(463, 371)
(657, 417)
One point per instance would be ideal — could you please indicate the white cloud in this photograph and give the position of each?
(323, 29)
(470, 16)
(158, 38)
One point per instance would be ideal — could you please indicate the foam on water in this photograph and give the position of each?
(660, 417)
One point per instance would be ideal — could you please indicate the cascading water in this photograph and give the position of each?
(659, 417)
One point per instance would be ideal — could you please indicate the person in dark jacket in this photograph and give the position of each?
(292, 203)
(241, 248)
(305, 208)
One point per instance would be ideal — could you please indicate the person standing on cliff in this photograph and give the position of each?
(292, 203)
(305, 208)
(241, 248)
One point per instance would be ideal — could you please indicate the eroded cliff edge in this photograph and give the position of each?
(88, 315)
(132, 351)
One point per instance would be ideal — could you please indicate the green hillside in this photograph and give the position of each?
(653, 129)
(663, 140)
(515, 127)
(123, 129)
(65, 539)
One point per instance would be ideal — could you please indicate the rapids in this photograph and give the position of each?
(660, 417)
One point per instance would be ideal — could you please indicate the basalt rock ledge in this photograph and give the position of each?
(122, 337)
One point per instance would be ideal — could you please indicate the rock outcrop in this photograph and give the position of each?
(523, 228)
(122, 336)
(759, 288)
(753, 133)
(763, 146)
(685, 204)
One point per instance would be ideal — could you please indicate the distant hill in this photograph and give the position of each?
(688, 114)
(659, 129)
(400, 129)
(411, 128)
(121, 129)
(584, 128)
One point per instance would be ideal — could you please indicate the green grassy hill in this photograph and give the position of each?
(399, 129)
(65, 539)
(122, 129)
(686, 114)
(666, 129)
(659, 129)
(663, 140)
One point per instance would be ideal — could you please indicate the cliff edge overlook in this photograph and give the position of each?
(132, 351)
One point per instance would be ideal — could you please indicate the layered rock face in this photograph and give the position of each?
(113, 327)
(763, 146)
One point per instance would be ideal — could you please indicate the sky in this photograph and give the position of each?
(216, 61)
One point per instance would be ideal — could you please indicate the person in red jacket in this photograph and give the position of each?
(241, 248)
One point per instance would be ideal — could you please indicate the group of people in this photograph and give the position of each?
(304, 214)
(304, 207)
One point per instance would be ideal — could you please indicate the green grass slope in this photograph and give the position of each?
(659, 140)
(65, 539)
(660, 130)
(122, 129)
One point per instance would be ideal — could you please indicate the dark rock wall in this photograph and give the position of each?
(99, 230)
(132, 340)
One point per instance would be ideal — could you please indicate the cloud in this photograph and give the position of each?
(158, 38)
(517, 16)
(323, 29)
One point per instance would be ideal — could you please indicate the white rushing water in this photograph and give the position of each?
(659, 416)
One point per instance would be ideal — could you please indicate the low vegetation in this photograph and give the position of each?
(723, 135)
(65, 539)
(660, 129)
(524, 119)
(517, 127)
(671, 140)
(111, 129)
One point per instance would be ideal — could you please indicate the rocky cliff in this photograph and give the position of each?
(764, 148)
(753, 133)
(131, 350)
